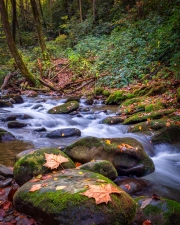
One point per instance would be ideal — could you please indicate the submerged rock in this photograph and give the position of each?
(60, 201)
(32, 164)
(16, 124)
(64, 108)
(64, 133)
(126, 154)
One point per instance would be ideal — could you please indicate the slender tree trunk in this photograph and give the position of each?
(80, 11)
(14, 19)
(17, 57)
(42, 15)
(39, 30)
(94, 10)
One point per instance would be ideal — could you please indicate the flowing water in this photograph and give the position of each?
(166, 157)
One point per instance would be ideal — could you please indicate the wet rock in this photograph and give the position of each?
(62, 202)
(32, 164)
(64, 108)
(130, 185)
(15, 97)
(63, 133)
(73, 98)
(6, 136)
(12, 117)
(16, 124)
(113, 120)
(37, 106)
(5, 104)
(25, 152)
(128, 160)
(89, 101)
(41, 129)
(6, 182)
(158, 210)
(103, 167)
(5, 171)
(84, 110)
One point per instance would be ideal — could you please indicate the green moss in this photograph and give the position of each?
(153, 107)
(64, 108)
(116, 98)
(131, 101)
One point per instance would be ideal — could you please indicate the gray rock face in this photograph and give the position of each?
(5, 171)
(126, 154)
(60, 201)
(62, 133)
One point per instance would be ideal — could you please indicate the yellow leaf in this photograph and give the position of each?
(62, 134)
(140, 128)
(168, 124)
(55, 178)
(108, 142)
(39, 176)
(60, 188)
(148, 119)
(80, 172)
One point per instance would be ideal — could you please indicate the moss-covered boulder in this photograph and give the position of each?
(6, 136)
(64, 108)
(156, 89)
(73, 98)
(103, 167)
(158, 211)
(116, 98)
(140, 117)
(60, 201)
(113, 120)
(17, 99)
(126, 154)
(32, 164)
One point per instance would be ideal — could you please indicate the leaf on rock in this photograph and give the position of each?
(101, 193)
(35, 187)
(78, 164)
(145, 203)
(53, 161)
(128, 187)
(60, 188)
(108, 142)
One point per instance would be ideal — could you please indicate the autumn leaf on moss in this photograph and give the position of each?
(35, 187)
(101, 193)
(78, 164)
(53, 161)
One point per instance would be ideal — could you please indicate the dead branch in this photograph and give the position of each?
(79, 88)
(7, 78)
(60, 71)
(49, 85)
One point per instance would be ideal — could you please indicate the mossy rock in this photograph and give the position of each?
(132, 160)
(116, 98)
(153, 107)
(103, 167)
(113, 120)
(140, 117)
(159, 211)
(169, 134)
(32, 164)
(60, 201)
(64, 108)
(6, 136)
(16, 124)
(149, 90)
(4, 103)
(178, 95)
(73, 98)
(17, 98)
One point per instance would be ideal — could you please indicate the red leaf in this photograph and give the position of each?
(2, 192)
(7, 205)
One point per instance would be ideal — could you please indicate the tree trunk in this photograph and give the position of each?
(13, 2)
(17, 57)
(39, 30)
(80, 10)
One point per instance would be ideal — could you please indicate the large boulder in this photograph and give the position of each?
(126, 154)
(60, 201)
(157, 210)
(6, 136)
(16, 98)
(64, 108)
(62, 133)
(32, 164)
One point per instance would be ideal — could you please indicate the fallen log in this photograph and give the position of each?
(47, 84)
(7, 78)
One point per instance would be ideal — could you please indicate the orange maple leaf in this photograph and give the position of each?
(53, 161)
(101, 193)
(78, 164)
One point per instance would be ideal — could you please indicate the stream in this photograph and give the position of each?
(166, 157)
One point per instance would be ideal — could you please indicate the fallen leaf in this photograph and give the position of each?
(62, 134)
(80, 172)
(140, 128)
(7, 205)
(39, 176)
(168, 124)
(44, 185)
(60, 188)
(145, 203)
(53, 161)
(35, 187)
(101, 193)
(78, 164)
(128, 186)
(108, 142)
(147, 222)
(55, 178)
(46, 176)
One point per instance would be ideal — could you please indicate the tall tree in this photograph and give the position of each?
(80, 11)
(16, 55)
(39, 29)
